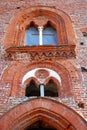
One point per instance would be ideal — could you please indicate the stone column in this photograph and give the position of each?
(42, 90)
(40, 35)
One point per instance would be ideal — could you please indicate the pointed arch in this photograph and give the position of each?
(31, 36)
(51, 111)
(51, 89)
(18, 24)
(32, 89)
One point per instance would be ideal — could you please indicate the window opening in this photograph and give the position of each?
(32, 36)
(32, 90)
(51, 89)
(40, 36)
(40, 125)
(49, 35)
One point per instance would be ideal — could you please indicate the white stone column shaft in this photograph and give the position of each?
(40, 35)
(42, 90)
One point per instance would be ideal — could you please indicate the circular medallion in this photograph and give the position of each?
(42, 74)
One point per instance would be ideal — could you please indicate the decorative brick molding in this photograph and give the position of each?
(40, 53)
(59, 20)
(45, 109)
(41, 74)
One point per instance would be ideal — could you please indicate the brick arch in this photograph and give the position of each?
(16, 28)
(44, 23)
(65, 87)
(18, 71)
(37, 83)
(53, 79)
(48, 110)
(61, 70)
(29, 80)
(15, 72)
(58, 85)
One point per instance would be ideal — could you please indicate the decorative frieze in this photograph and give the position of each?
(40, 52)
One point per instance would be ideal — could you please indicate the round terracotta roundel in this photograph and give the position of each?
(42, 74)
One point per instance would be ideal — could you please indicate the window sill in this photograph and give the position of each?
(40, 52)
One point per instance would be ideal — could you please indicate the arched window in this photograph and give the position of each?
(32, 90)
(49, 36)
(31, 36)
(51, 89)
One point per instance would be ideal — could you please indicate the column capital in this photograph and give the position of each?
(40, 27)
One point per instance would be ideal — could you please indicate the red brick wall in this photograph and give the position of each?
(77, 11)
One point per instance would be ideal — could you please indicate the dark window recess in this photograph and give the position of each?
(83, 69)
(40, 129)
(40, 125)
(51, 89)
(32, 90)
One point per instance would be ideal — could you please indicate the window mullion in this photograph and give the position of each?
(42, 90)
(40, 35)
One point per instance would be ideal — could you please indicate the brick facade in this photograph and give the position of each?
(68, 61)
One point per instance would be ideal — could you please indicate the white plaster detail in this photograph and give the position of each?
(40, 35)
(42, 90)
(31, 74)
